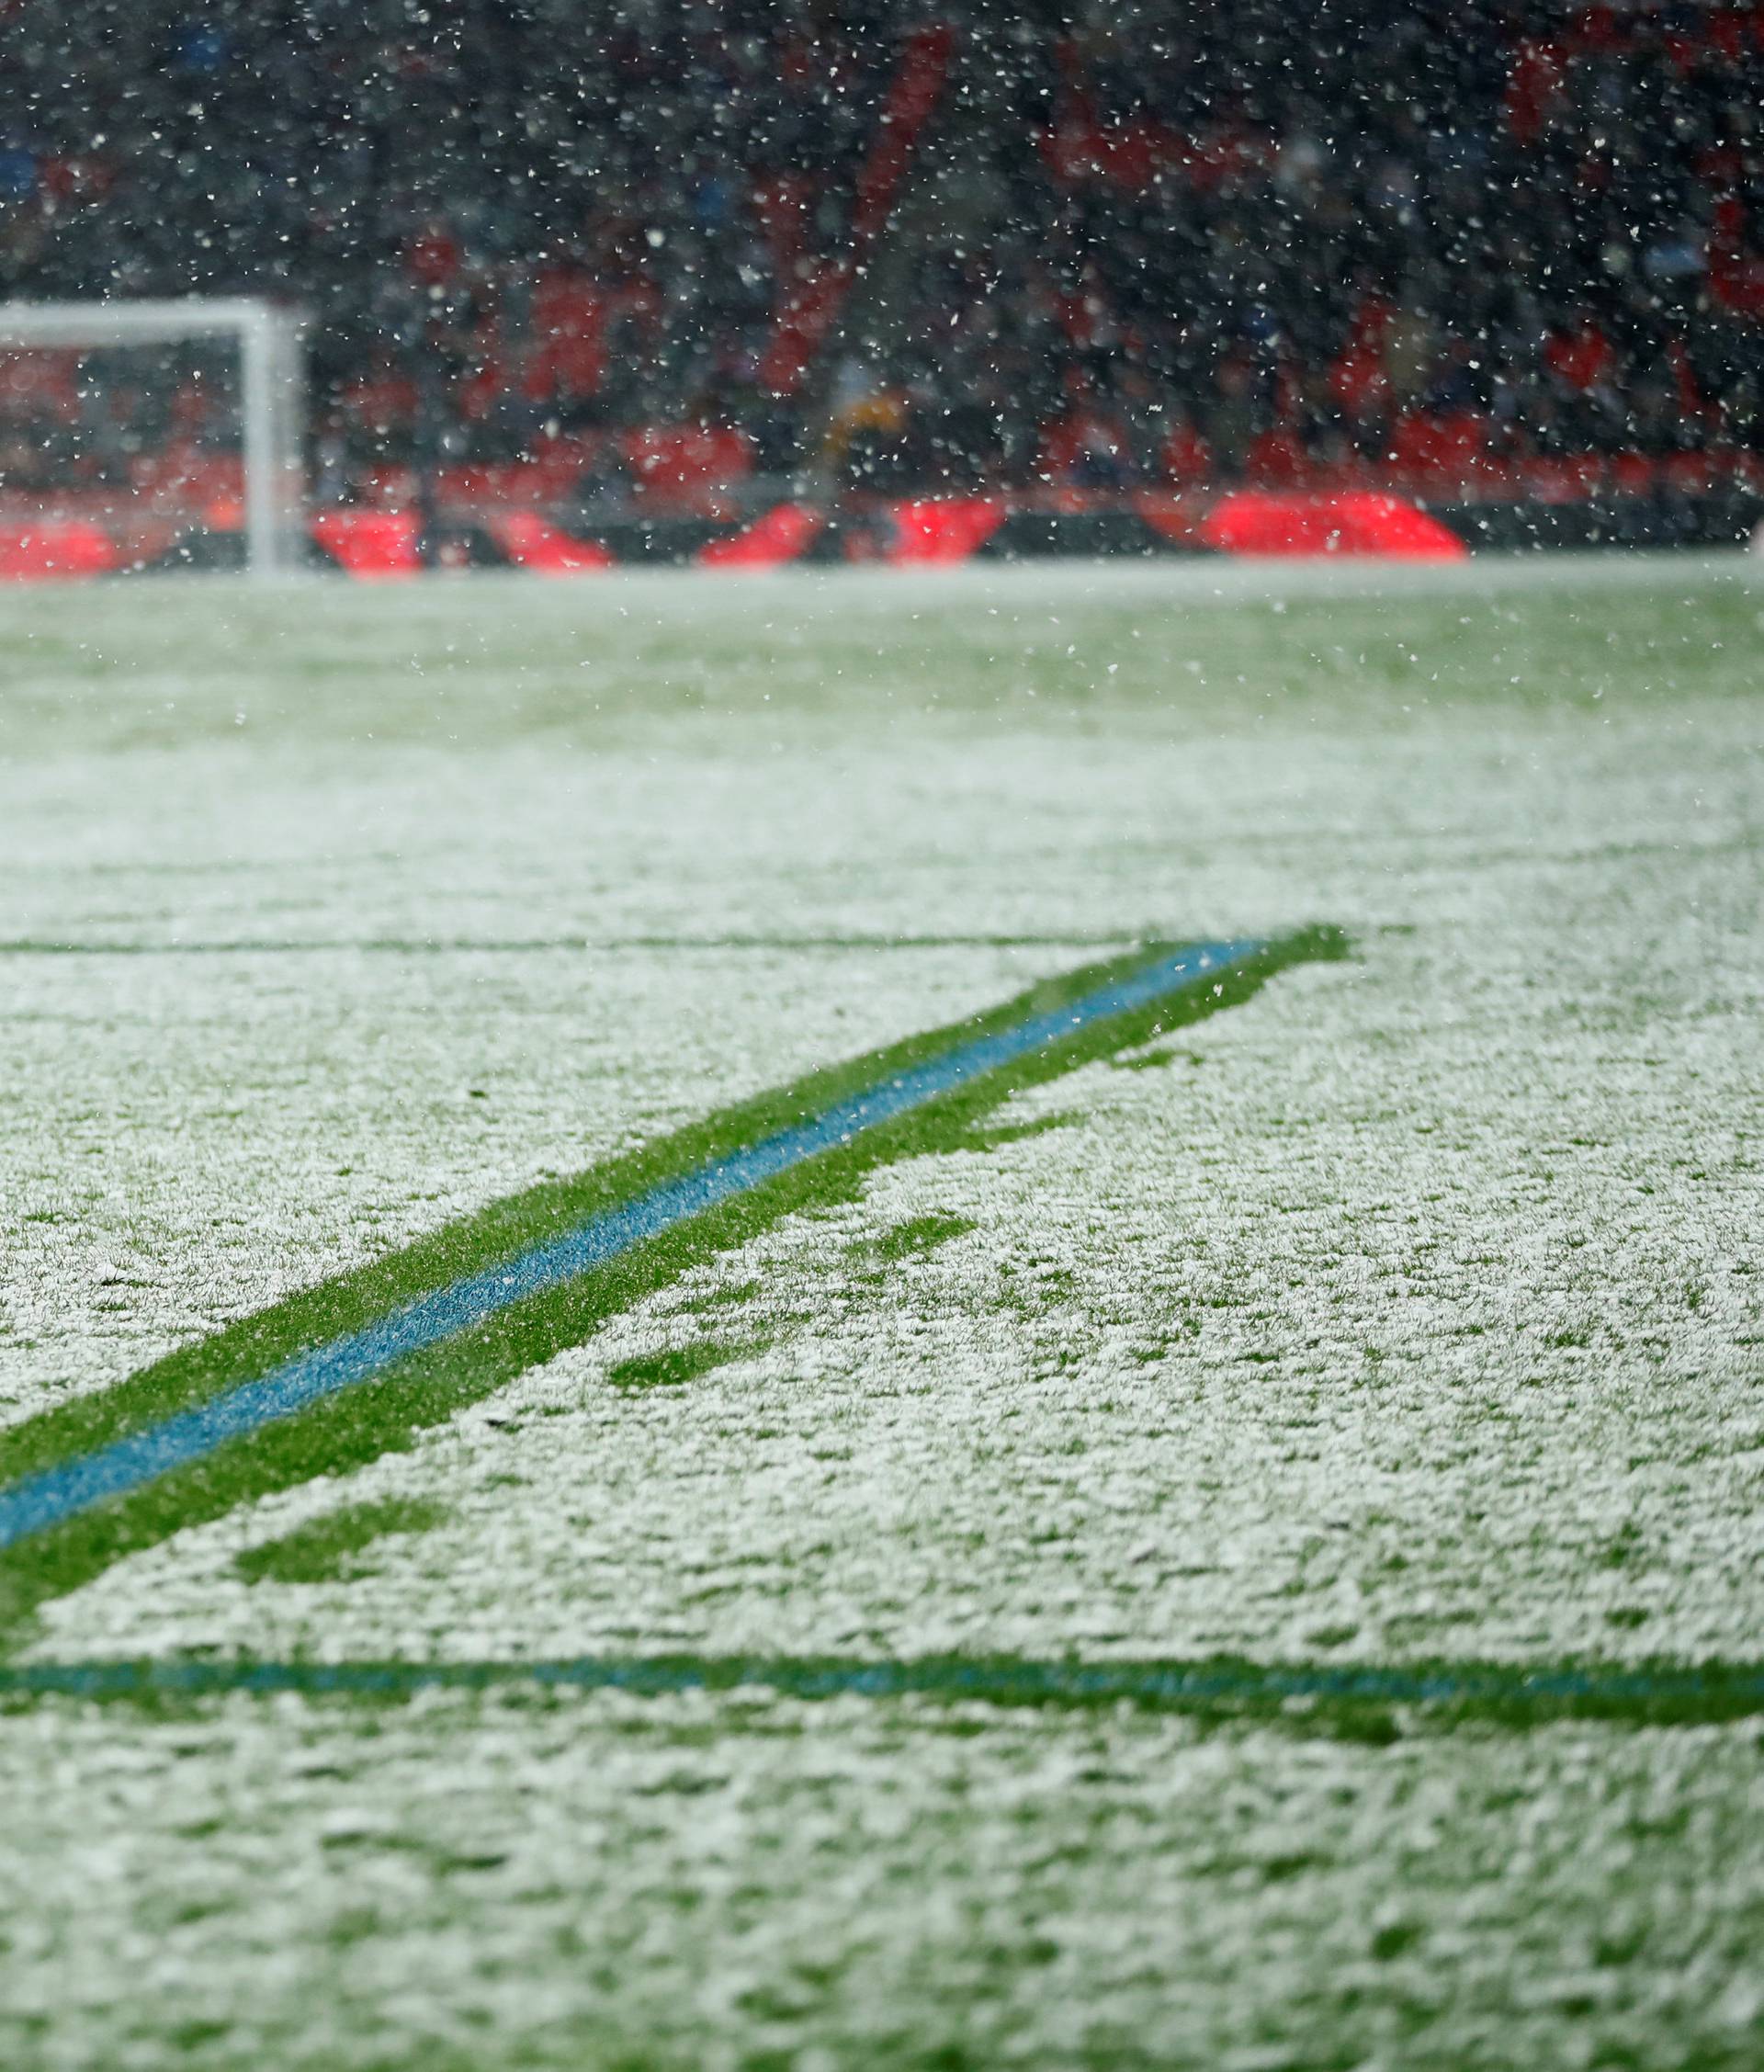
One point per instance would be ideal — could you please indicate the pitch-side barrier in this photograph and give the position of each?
(388, 545)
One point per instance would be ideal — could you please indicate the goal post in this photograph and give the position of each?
(271, 391)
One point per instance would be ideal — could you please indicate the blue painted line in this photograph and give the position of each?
(1711, 1690)
(54, 1495)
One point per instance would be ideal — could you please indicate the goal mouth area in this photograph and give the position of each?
(151, 433)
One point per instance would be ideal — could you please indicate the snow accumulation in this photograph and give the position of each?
(1409, 1311)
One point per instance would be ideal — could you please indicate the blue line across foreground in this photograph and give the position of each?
(55, 1495)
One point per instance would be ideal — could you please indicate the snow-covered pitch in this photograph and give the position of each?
(1405, 1315)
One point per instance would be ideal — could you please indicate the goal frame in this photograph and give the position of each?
(270, 338)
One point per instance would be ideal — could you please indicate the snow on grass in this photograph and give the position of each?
(585, 1881)
(1409, 1311)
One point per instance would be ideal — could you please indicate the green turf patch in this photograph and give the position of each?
(385, 1414)
(871, 1257)
(920, 1234)
(1153, 1060)
(676, 1367)
(990, 1138)
(326, 1550)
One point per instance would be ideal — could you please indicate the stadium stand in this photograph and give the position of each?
(663, 259)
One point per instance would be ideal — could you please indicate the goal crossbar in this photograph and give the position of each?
(272, 387)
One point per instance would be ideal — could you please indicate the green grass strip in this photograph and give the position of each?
(388, 1412)
(1364, 1702)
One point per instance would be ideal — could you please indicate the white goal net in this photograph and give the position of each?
(151, 433)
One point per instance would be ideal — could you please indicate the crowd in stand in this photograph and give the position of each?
(635, 257)
(1483, 251)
